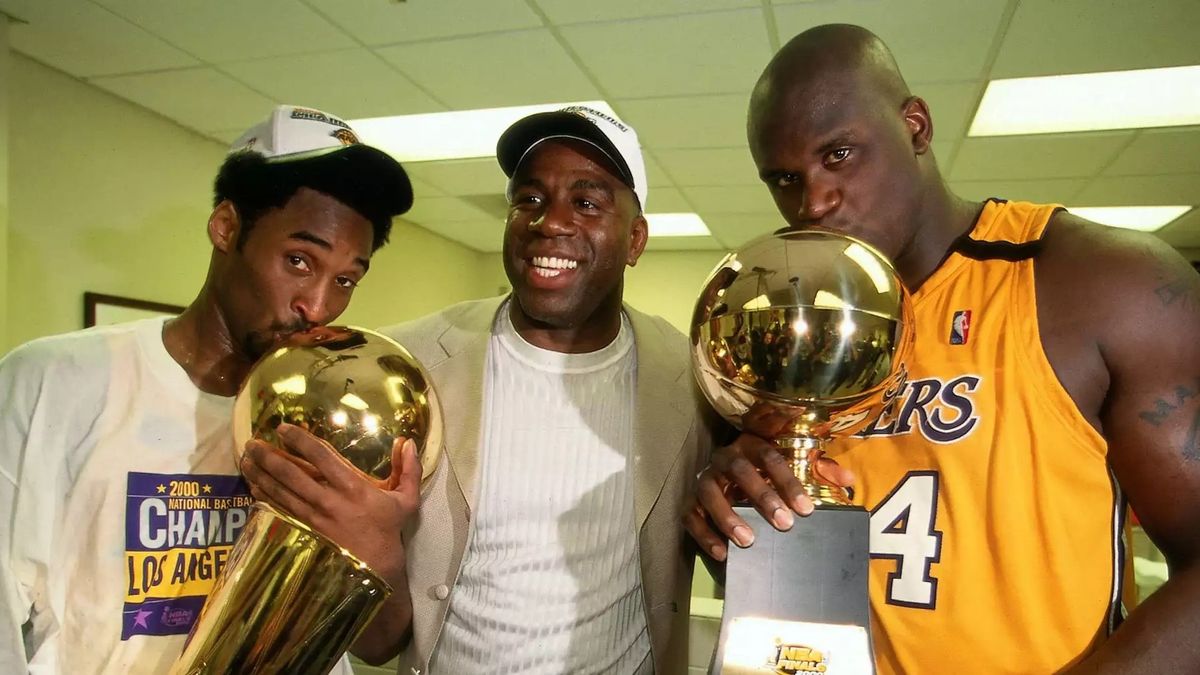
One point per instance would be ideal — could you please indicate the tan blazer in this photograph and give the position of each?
(672, 437)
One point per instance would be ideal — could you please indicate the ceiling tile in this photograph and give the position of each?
(943, 150)
(1159, 151)
(20, 10)
(1053, 191)
(503, 69)
(952, 105)
(461, 176)
(421, 189)
(431, 211)
(956, 51)
(667, 200)
(683, 244)
(334, 82)
(1175, 189)
(481, 235)
(83, 40)
(1102, 36)
(226, 136)
(687, 122)
(735, 229)
(1028, 157)
(231, 31)
(492, 203)
(710, 166)
(655, 176)
(191, 97)
(572, 11)
(1184, 232)
(736, 199)
(694, 54)
(380, 22)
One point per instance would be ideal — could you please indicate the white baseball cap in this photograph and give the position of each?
(296, 134)
(617, 140)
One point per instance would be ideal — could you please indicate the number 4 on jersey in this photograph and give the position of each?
(902, 529)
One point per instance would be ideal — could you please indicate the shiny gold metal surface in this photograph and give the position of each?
(801, 337)
(291, 600)
(352, 387)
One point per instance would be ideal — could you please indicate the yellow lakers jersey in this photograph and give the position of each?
(997, 530)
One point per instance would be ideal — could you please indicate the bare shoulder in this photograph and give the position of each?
(1127, 282)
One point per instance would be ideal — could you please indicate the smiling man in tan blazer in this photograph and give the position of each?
(548, 540)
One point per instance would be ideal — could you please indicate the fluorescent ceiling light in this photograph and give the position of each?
(677, 225)
(1156, 97)
(460, 134)
(1142, 218)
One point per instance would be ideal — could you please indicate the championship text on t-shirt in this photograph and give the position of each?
(179, 530)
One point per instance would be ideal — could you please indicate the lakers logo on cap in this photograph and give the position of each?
(346, 136)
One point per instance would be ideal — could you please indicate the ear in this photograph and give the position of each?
(919, 124)
(224, 225)
(638, 233)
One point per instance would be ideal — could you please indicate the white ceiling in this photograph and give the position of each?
(679, 71)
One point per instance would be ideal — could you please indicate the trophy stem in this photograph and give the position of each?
(803, 452)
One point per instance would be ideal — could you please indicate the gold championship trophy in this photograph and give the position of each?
(800, 337)
(290, 600)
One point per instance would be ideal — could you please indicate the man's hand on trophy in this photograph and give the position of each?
(751, 470)
(319, 487)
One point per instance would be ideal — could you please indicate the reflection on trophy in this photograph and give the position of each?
(290, 600)
(800, 337)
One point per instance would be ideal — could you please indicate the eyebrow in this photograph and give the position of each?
(586, 184)
(838, 138)
(311, 238)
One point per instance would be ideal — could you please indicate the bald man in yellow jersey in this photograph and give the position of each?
(1055, 382)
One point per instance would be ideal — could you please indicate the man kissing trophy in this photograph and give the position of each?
(800, 337)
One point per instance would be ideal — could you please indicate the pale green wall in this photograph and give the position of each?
(105, 196)
(416, 274)
(5, 78)
(108, 197)
(666, 283)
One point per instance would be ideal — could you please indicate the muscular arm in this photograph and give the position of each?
(1145, 395)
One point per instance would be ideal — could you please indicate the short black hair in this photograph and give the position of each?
(254, 186)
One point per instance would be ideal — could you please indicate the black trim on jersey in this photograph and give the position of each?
(1116, 608)
(1011, 251)
(996, 250)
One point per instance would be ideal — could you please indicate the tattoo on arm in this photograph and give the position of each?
(1177, 291)
(1163, 408)
(1191, 447)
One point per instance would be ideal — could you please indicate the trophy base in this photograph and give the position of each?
(797, 600)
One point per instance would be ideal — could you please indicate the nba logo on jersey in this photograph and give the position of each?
(960, 327)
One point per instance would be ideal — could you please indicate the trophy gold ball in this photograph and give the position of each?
(289, 599)
(800, 337)
(351, 387)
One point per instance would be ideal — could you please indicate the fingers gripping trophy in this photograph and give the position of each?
(800, 337)
(291, 600)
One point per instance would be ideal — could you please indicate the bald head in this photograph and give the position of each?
(825, 61)
(839, 140)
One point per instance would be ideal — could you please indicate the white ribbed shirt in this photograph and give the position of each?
(550, 582)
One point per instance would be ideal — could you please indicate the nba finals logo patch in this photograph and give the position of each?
(179, 530)
(960, 327)
(793, 659)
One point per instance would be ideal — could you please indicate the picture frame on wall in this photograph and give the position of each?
(100, 309)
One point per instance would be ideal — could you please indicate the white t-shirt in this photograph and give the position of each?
(120, 500)
(551, 581)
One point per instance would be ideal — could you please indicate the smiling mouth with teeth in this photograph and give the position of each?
(549, 266)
